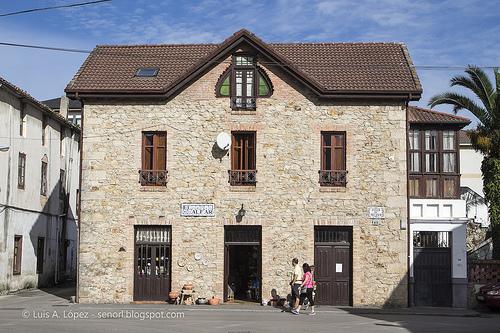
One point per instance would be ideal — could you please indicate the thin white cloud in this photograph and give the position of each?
(449, 32)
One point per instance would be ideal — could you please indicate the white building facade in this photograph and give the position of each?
(39, 178)
(438, 216)
(471, 181)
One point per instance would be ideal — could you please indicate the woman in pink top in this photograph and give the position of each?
(308, 283)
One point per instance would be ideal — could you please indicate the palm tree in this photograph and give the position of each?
(486, 137)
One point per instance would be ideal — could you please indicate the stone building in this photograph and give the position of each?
(39, 178)
(216, 164)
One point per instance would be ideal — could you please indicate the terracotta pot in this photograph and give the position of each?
(173, 294)
(214, 301)
(188, 286)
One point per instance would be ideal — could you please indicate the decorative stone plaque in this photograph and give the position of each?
(197, 210)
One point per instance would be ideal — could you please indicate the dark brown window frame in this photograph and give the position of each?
(422, 177)
(22, 120)
(21, 171)
(62, 135)
(330, 176)
(17, 255)
(258, 74)
(44, 182)
(45, 124)
(243, 171)
(153, 175)
(40, 254)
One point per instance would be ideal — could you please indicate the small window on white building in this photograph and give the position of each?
(43, 178)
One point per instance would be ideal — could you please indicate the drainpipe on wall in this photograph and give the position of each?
(408, 249)
(79, 198)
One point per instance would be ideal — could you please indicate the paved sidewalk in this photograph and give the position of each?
(49, 311)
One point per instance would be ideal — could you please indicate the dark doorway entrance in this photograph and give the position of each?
(242, 263)
(152, 263)
(333, 261)
(432, 268)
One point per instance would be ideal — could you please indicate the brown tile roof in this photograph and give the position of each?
(417, 115)
(44, 108)
(463, 138)
(330, 68)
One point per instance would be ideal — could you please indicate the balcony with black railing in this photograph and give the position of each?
(242, 177)
(153, 177)
(333, 177)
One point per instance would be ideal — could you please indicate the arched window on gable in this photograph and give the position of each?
(244, 82)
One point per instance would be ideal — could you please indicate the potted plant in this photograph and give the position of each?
(173, 295)
(214, 300)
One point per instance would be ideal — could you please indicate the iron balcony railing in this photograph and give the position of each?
(153, 177)
(242, 177)
(332, 177)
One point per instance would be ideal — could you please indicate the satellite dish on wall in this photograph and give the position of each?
(223, 141)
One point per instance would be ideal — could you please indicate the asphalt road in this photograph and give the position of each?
(49, 311)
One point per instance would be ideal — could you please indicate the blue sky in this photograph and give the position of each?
(437, 33)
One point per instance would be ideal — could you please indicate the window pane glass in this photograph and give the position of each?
(243, 61)
(431, 140)
(327, 158)
(448, 140)
(327, 139)
(431, 162)
(431, 188)
(148, 158)
(415, 162)
(448, 162)
(414, 139)
(414, 187)
(224, 89)
(149, 139)
(449, 187)
(249, 83)
(239, 83)
(263, 88)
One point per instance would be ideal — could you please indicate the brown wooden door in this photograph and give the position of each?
(333, 271)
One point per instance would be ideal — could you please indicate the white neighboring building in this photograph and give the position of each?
(438, 219)
(471, 181)
(39, 178)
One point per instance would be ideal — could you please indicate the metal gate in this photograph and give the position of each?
(333, 261)
(432, 268)
(152, 263)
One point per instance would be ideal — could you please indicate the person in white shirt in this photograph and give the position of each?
(295, 283)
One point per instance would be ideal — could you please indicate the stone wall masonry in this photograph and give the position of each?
(287, 200)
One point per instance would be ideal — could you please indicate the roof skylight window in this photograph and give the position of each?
(147, 72)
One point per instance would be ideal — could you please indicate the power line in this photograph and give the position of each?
(54, 7)
(135, 55)
(45, 47)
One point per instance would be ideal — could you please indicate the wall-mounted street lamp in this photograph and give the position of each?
(240, 214)
(4, 148)
(242, 211)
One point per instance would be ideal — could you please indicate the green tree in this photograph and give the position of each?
(486, 137)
